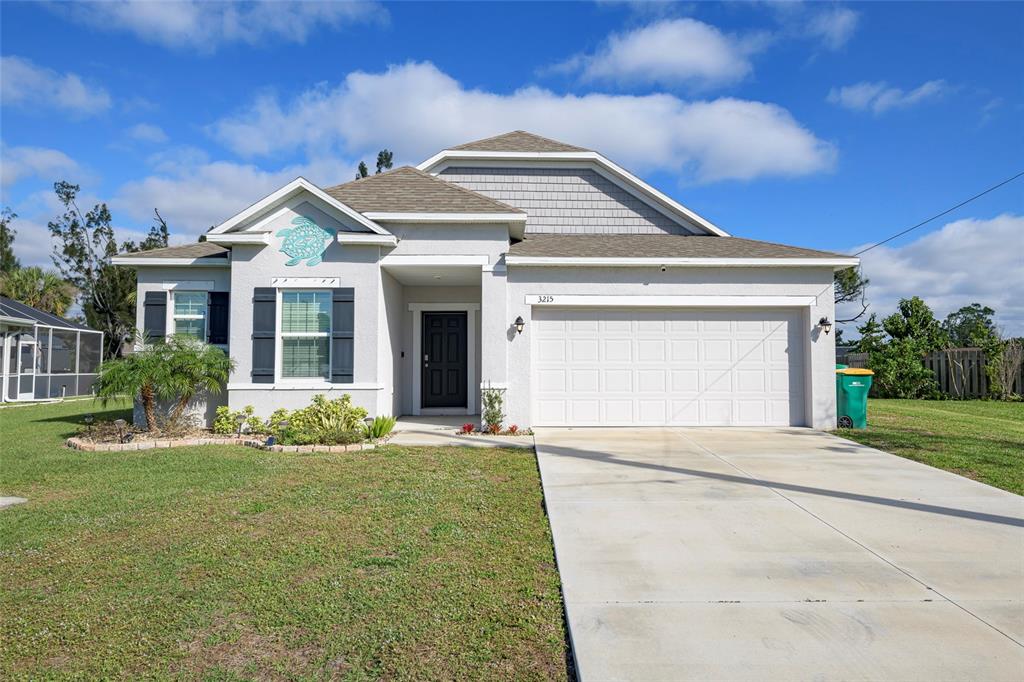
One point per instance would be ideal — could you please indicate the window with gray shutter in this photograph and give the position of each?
(342, 335)
(264, 321)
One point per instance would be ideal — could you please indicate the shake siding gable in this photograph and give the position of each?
(567, 200)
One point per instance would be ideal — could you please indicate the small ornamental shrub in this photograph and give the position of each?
(225, 422)
(493, 401)
(380, 427)
(468, 428)
(323, 422)
(513, 429)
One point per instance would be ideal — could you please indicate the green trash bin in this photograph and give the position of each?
(852, 386)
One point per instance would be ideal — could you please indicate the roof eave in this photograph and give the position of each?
(203, 262)
(563, 261)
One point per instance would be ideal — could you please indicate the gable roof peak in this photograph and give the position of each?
(519, 141)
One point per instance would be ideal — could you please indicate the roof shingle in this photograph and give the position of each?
(656, 246)
(410, 190)
(197, 250)
(518, 141)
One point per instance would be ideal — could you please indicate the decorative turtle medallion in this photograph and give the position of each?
(306, 241)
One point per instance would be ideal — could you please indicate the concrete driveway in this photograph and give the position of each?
(772, 554)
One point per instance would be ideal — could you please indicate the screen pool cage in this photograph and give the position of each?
(45, 356)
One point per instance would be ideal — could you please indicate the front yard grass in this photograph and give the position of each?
(231, 563)
(983, 440)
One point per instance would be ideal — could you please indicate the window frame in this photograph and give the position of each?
(205, 317)
(280, 335)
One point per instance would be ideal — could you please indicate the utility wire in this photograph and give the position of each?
(939, 215)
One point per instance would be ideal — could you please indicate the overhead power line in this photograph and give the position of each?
(939, 215)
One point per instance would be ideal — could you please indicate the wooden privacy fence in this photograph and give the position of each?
(960, 372)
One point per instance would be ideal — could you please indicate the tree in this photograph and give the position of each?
(176, 370)
(8, 261)
(38, 288)
(914, 321)
(872, 336)
(971, 326)
(914, 332)
(384, 160)
(850, 287)
(85, 245)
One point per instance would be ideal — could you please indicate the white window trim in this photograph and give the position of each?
(306, 382)
(172, 322)
(417, 310)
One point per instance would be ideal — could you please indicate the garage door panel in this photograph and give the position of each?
(667, 367)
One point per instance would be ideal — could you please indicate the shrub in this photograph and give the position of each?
(493, 400)
(513, 429)
(468, 428)
(380, 427)
(226, 421)
(323, 422)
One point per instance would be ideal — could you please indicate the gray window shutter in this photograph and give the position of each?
(217, 319)
(154, 315)
(342, 335)
(264, 324)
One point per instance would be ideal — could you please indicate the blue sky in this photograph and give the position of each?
(816, 124)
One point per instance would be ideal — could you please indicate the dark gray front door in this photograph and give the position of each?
(444, 360)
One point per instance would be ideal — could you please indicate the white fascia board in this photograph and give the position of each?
(434, 261)
(448, 217)
(682, 262)
(239, 238)
(592, 157)
(367, 239)
(190, 262)
(296, 185)
(20, 321)
(602, 301)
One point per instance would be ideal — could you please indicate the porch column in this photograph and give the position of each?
(494, 327)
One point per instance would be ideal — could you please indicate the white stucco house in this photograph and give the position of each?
(517, 263)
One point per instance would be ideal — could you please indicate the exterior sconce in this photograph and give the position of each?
(825, 324)
(519, 324)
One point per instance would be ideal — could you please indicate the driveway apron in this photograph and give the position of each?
(765, 554)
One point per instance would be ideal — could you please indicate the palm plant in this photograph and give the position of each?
(42, 289)
(176, 369)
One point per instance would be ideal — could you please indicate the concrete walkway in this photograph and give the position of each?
(768, 554)
(441, 431)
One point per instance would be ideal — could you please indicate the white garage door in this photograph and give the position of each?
(667, 367)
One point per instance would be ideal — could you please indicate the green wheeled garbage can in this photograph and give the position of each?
(852, 386)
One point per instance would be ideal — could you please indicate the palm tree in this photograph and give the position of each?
(42, 289)
(176, 369)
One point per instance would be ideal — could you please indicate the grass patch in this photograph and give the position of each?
(230, 563)
(983, 440)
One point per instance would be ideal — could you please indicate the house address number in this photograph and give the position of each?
(539, 298)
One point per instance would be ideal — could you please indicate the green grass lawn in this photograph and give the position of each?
(983, 440)
(228, 563)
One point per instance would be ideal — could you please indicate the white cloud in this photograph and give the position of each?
(670, 52)
(878, 97)
(19, 163)
(147, 132)
(205, 26)
(417, 110)
(193, 194)
(24, 83)
(834, 27)
(966, 261)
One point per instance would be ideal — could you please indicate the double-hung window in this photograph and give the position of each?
(190, 314)
(305, 334)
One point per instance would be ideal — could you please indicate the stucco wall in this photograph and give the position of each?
(819, 348)
(567, 200)
(470, 239)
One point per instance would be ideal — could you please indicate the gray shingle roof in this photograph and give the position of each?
(655, 246)
(410, 190)
(197, 250)
(518, 141)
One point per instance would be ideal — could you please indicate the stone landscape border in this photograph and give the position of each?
(89, 446)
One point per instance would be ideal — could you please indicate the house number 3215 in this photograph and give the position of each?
(545, 298)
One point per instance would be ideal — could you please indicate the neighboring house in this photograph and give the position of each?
(409, 289)
(45, 356)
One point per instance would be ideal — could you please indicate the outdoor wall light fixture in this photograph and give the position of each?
(519, 324)
(825, 324)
